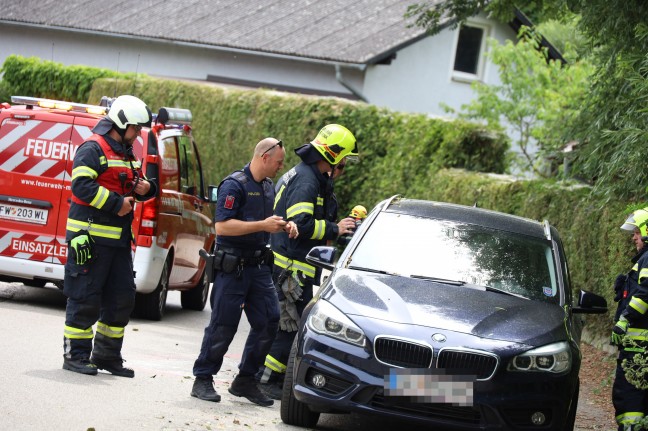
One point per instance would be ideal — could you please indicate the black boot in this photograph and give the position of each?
(114, 367)
(246, 386)
(204, 389)
(80, 365)
(271, 390)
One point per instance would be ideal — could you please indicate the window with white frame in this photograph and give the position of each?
(470, 47)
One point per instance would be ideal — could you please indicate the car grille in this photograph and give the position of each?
(402, 353)
(467, 363)
(444, 412)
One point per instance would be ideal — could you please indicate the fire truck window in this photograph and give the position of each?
(188, 167)
(170, 178)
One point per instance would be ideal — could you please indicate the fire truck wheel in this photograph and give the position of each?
(151, 306)
(196, 298)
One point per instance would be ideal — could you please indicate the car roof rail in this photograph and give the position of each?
(547, 229)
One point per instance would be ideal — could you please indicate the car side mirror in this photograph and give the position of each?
(322, 256)
(590, 303)
(212, 193)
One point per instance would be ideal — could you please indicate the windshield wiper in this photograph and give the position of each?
(377, 271)
(439, 280)
(505, 292)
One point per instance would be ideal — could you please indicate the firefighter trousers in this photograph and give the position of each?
(102, 292)
(274, 367)
(630, 403)
(249, 290)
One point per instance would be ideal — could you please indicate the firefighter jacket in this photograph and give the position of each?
(633, 304)
(103, 172)
(304, 196)
(241, 197)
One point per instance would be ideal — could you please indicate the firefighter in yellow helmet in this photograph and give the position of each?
(305, 196)
(629, 332)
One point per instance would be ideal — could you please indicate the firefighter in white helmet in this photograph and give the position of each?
(99, 280)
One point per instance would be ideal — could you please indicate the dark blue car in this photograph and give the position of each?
(442, 314)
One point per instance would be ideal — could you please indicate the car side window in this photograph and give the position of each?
(189, 175)
(170, 173)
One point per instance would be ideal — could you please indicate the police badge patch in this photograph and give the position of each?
(229, 202)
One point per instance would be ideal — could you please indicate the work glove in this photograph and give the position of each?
(288, 316)
(619, 331)
(291, 288)
(619, 286)
(82, 246)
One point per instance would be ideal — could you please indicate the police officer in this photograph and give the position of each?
(243, 281)
(629, 332)
(99, 280)
(304, 195)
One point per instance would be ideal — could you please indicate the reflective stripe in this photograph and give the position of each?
(301, 207)
(284, 262)
(76, 333)
(110, 331)
(629, 417)
(102, 159)
(100, 198)
(319, 229)
(638, 304)
(635, 268)
(320, 201)
(124, 164)
(101, 230)
(274, 365)
(278, 196)
(643, 274)
(84, 171)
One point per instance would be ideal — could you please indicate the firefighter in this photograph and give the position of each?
(629, 332)
(243, 279)
(304, 196)
(99, 280)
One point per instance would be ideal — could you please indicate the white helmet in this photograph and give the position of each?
(127, 110)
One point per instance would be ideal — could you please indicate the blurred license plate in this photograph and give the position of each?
(25, 214)
(424, 386)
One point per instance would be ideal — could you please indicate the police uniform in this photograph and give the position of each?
(102, 290)
(304, 196)
(630, 403)
(244, 280)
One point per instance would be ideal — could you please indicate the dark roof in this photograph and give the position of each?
(348, 31)
(471, 215)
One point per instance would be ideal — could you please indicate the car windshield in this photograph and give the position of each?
(453, 253)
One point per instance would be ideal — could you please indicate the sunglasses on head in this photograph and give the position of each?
(278, 144)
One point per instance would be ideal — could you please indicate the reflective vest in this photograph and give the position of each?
(634, 303)
(257, 205)
(99, 214)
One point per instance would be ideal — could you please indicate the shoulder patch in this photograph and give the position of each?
(229, 202)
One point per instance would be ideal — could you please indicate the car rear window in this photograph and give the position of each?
(428, 248)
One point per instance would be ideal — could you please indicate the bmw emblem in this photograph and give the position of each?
(439, 338)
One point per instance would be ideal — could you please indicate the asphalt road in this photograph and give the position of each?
(37, 394)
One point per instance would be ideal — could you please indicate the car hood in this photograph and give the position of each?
(462, 309)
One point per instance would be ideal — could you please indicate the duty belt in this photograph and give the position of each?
(244, 253)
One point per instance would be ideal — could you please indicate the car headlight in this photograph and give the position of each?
(327, 320)
(552, 358)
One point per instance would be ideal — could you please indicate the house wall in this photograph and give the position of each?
(421, 76)
(172, 60)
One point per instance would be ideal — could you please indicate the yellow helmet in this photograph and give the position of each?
(637, 220)
(358, 211)
(335, 142)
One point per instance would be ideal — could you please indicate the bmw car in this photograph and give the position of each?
(451, 316)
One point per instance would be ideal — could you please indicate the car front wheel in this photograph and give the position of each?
(151, 306)
(294, 412)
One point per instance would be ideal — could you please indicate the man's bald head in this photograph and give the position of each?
(265, 146)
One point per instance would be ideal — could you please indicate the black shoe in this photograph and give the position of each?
(271, 390)
(80, 365)
(246, 387)
(204, 389)
(114, 367)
